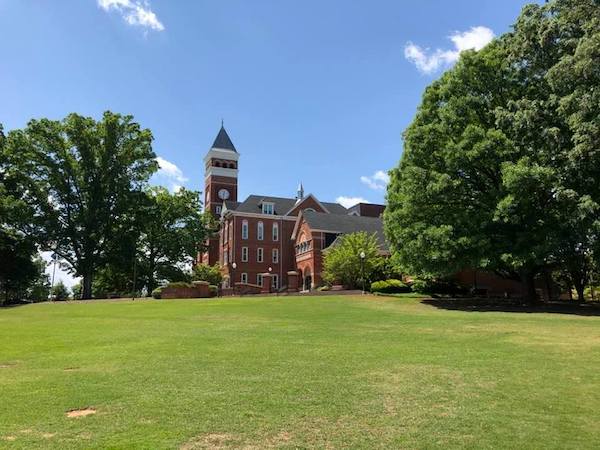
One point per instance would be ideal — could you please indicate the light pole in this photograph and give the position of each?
(233, 267)
(54, 259)
(270, 269)
(362, 270)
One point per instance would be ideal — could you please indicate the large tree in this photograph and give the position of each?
(21, 271)
(173, 232)
(498, 162)
(84, 179)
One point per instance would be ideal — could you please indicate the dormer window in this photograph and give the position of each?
(268, 208)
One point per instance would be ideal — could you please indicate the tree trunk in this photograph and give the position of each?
(580, 288)
(528, 287)
(151, 280)
(86, 286)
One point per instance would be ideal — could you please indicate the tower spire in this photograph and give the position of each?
(223, 141)
(300, 192)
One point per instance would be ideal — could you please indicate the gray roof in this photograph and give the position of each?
(339, 224)
(253, 204)
(229, 204)
(223, 141)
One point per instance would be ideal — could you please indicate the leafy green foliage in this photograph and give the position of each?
(60, 292)
(174, 231)
(499, 162)
(342, 262)
(156, 293)
(84, 180)
(439, 286)
(390, 287)
(204, 272)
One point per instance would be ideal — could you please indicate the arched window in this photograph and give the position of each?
(275, 231)
(244, 229)
(260, 231)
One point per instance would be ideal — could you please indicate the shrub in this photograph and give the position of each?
(438, 286)
(204, 272)
(324, 288)
(213, 290)
(60, 292)
(180, 284)
(156, 293)
(389, 287)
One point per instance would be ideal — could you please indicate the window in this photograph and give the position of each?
(275, 255)
(244, 254)
(244, 229)
(275, 281)
(268, 208)
(275, 231)
(244, 278)
(259, 254)
(218, 210)
(260, 231)
(259, 279)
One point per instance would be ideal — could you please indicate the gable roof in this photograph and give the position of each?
(344, 224)
(282, 205)
(223, 141)
(299, 202)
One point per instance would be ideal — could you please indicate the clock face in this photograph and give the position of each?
(223, 194)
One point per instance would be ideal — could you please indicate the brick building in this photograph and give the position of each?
(282, 238)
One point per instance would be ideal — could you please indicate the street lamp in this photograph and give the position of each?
(233, 267)
(362, 269)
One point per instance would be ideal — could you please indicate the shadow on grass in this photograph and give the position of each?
(513, 305)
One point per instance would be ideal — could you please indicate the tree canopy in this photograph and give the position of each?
(84, 180)
(499, 163)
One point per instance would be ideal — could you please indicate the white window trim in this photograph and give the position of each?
(260, 255)
(245, 227)
(260, 231)
(244, 254)
(275, 256)
(259, 279)
(244, 278)
(275, 232)
(266, 206)
(275, 281)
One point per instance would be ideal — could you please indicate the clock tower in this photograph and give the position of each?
(220, 183)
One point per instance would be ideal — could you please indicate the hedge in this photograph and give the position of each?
(389, 287)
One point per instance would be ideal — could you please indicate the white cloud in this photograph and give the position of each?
(347, 202)
(428, 62)
(377, 181)
(168, 173)
(135, 12)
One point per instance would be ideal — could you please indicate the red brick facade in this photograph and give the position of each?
(247, 236)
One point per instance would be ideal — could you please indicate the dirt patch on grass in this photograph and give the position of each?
(9, 438)
(211, 441)
(76, 413)
(7, 365)
(71, 369)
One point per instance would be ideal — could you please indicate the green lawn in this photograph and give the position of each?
(296, 372)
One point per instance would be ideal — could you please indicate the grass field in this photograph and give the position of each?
(296, 372)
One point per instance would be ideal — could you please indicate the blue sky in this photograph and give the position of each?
(313, 91)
